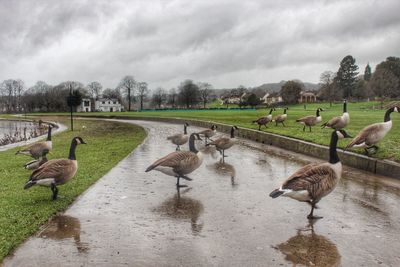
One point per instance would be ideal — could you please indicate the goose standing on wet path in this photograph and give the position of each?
(339, 122)
(310, 120)
(264, 120)
(224, 143)
(280, 118)
(34, 164)
(180, 139)
(314, 181)
(36, 150)
(180, 163)
(208, 133)
(372, 134)
(56, 171)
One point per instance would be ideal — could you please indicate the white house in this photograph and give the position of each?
(108, 104)
(271, 98)
(85, 106)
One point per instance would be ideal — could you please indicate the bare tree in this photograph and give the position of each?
(12, 91)
(128, 85)
(205, 92)
(159, 97)
(142, 92)
(172, 97)
(95, 89)
(327, 86)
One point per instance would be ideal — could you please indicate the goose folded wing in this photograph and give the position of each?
(313, 178)
(175, 136)
(220, 141)
(171, 160)
(363, 135)
(52, 169)
(334, 121)
(307, 118)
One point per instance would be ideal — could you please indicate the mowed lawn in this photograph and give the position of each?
(361, 115)
(22, 211)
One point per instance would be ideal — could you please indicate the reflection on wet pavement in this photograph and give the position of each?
(310, 249)
(63, 227)
(225, 217)
(183, 208)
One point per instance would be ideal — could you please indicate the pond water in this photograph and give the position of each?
(16, 131)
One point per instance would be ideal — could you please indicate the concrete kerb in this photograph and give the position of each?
(381, 167)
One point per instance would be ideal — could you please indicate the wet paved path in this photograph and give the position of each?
(224, 217)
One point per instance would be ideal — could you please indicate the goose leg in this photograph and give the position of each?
(304, 128)
(265, 125)
(311, 215)
(178, 148)
(259, 127)
(283, 124)
(366, 151)
(54, 189)
(310, 128)
(177, 182)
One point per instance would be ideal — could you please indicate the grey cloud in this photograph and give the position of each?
(162, 42)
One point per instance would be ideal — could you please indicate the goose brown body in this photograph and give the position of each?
(280, 118)
(180, 163)
(264, 120)
(56, 171)
(310, 121)
(314, 181)
(339, 122)
(179, 139)
(372, 134)
(36, 150)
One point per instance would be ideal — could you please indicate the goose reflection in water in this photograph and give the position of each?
(225, 169)
(310, 249)
(63, 227)
(183, 208)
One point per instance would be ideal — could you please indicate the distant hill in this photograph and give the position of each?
(269, 87)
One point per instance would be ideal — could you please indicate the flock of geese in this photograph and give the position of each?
(54, 172)
(308, 184)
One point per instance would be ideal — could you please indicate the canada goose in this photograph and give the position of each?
(339, 122)
(372, 134)
(314, 181)
(180, 139)
(209, 133)
(224, 143)
(264, 120)
(280, 118)
(36, 150)
(56, 171)
(36, 163)
(311, 120)
(180, 163)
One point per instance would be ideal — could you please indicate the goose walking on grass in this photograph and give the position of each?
(56, 171)
(314, 181)
(180, 163)
(36, 150)
(180, 139)
(208, 133)
(223, 143)
(368, 137)
(339, 122)
(264, 120)
(34, 164)
(280, 118)
(310, 120)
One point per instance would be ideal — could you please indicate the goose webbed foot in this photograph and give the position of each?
(186, 178)
(54, 189)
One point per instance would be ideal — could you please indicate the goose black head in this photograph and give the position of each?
(79, 140)
(235, 127)
(186, 124)
(320, 109)
(213, 127)
(342, 134)
(45, 152)
(197, 136)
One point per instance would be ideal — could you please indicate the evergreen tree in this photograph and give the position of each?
(290, 92)
(346, 77)
(367, 73)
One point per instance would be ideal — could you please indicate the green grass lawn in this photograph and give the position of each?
(24, 211)
(361, 115)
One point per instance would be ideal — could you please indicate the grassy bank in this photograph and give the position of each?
(22, 212)
(362, 114)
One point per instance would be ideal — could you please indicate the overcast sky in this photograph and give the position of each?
(225, 43)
